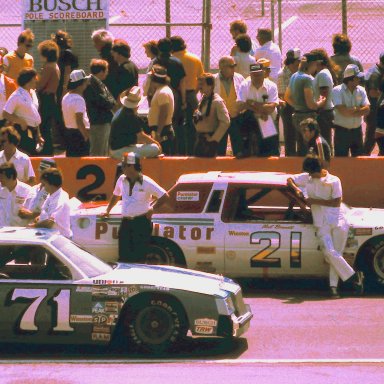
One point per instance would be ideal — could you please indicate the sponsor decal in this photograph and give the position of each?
(80, 319)
(154, 287)
(133, 290)
(363, 231)
(206, 322)
(206, 250)
(238, 233)
(187, 196)
(204, 330)
(111, 307)
(277, 226)
(84, 289)
(107, 282)
(98, 308)
(101, 329)
(101, 336)
(103, 319)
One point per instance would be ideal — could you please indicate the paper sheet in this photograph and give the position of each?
(267, 128)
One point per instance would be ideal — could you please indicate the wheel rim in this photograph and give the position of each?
(157, 256)
(378, 263)
(154, 325)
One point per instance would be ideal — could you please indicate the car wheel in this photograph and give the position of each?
(157, 255)
(373, 267)
(156, 324)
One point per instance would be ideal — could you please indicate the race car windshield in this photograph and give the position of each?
(89, 264)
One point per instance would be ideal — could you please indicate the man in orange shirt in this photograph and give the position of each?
(19, 59)
(7, 87)
(193, 68)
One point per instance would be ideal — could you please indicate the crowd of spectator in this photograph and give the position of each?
(193, 113)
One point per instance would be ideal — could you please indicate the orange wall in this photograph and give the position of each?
(362, 178)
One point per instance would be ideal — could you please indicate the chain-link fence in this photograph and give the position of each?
(307, 24)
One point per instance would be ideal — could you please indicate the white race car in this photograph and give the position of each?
(242, 224)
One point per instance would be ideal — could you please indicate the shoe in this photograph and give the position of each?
(358, 283)
(334, 293)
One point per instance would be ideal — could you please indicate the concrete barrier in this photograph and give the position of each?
(87, 178)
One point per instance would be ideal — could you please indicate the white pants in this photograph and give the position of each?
(142, 150)
(332, 241)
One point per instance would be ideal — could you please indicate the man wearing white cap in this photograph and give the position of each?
(75, 115)
(140, 195)
(351, 104)
(127, 132)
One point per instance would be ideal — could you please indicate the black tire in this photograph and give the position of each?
(158, 255)
(373, 266)
(155, 324)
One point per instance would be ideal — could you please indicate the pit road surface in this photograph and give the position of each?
(297, 335)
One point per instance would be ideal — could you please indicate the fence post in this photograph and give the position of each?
(280, 21)
(168, 18)
(206, 34)
(344, 13)
(262, 8)
(273, 19)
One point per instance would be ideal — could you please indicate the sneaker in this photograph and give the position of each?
(334, 293)
(358, 283)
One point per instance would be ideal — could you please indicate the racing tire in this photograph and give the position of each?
(373, 266)
(157, 255)
(155, 324)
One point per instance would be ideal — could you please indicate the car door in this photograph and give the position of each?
(269, 235)
(39, 301)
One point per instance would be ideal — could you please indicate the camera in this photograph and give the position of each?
(197, 116)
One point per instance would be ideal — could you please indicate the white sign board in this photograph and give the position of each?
(65, 10)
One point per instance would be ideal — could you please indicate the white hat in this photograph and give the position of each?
(130, 158)
(352, 70)
(131, 98)
(77, 75)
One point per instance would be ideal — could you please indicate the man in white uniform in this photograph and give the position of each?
(13, 195)
(323, 194)
(139, 194)
(55, 212)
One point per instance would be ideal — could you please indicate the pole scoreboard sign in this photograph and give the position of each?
(35, 10)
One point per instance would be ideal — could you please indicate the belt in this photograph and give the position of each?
(346, 129)
(130, 218)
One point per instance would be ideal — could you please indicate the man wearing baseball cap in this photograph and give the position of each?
(140, 195)
(351, 104)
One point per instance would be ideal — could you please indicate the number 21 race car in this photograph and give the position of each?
(53, 292)
(243, 224)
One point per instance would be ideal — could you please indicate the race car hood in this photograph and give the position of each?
(365, 217)
(167, 277)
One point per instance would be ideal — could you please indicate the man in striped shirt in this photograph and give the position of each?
(316, 143)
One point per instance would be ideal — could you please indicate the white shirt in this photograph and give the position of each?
(139, 202)
(270, 51)
(323, 79)
(243, 61)
(38, 196)
(71, 104)
(22, 163)
(11, 202)
(3, 98)
(25, 105)
(324, 188)
(341, 95)
(56, 207)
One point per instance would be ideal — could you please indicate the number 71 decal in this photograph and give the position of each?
(28, 318)
(273, 243)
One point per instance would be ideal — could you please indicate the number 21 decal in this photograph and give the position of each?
(27, 321)
(272, 241)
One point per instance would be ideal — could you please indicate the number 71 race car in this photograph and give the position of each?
(53, 292)
(242, 224)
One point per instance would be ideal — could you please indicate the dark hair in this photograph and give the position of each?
(9, 170)
(74, 84)
(121, 47)
(312, 164)
(11, 132)
(238, 25)
(244, 42)
(62, 39)
(265, 34)
(208, 78)
(27, 34)
(52, 176)
(50, 50)
(341, 43)
(311, 124)
(152, 45)
(97, 66)
(164, 45)
(327, 62)
(25, 76)
(178, 43)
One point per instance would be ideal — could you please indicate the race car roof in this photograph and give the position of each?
(25, 235)
(271, 178)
